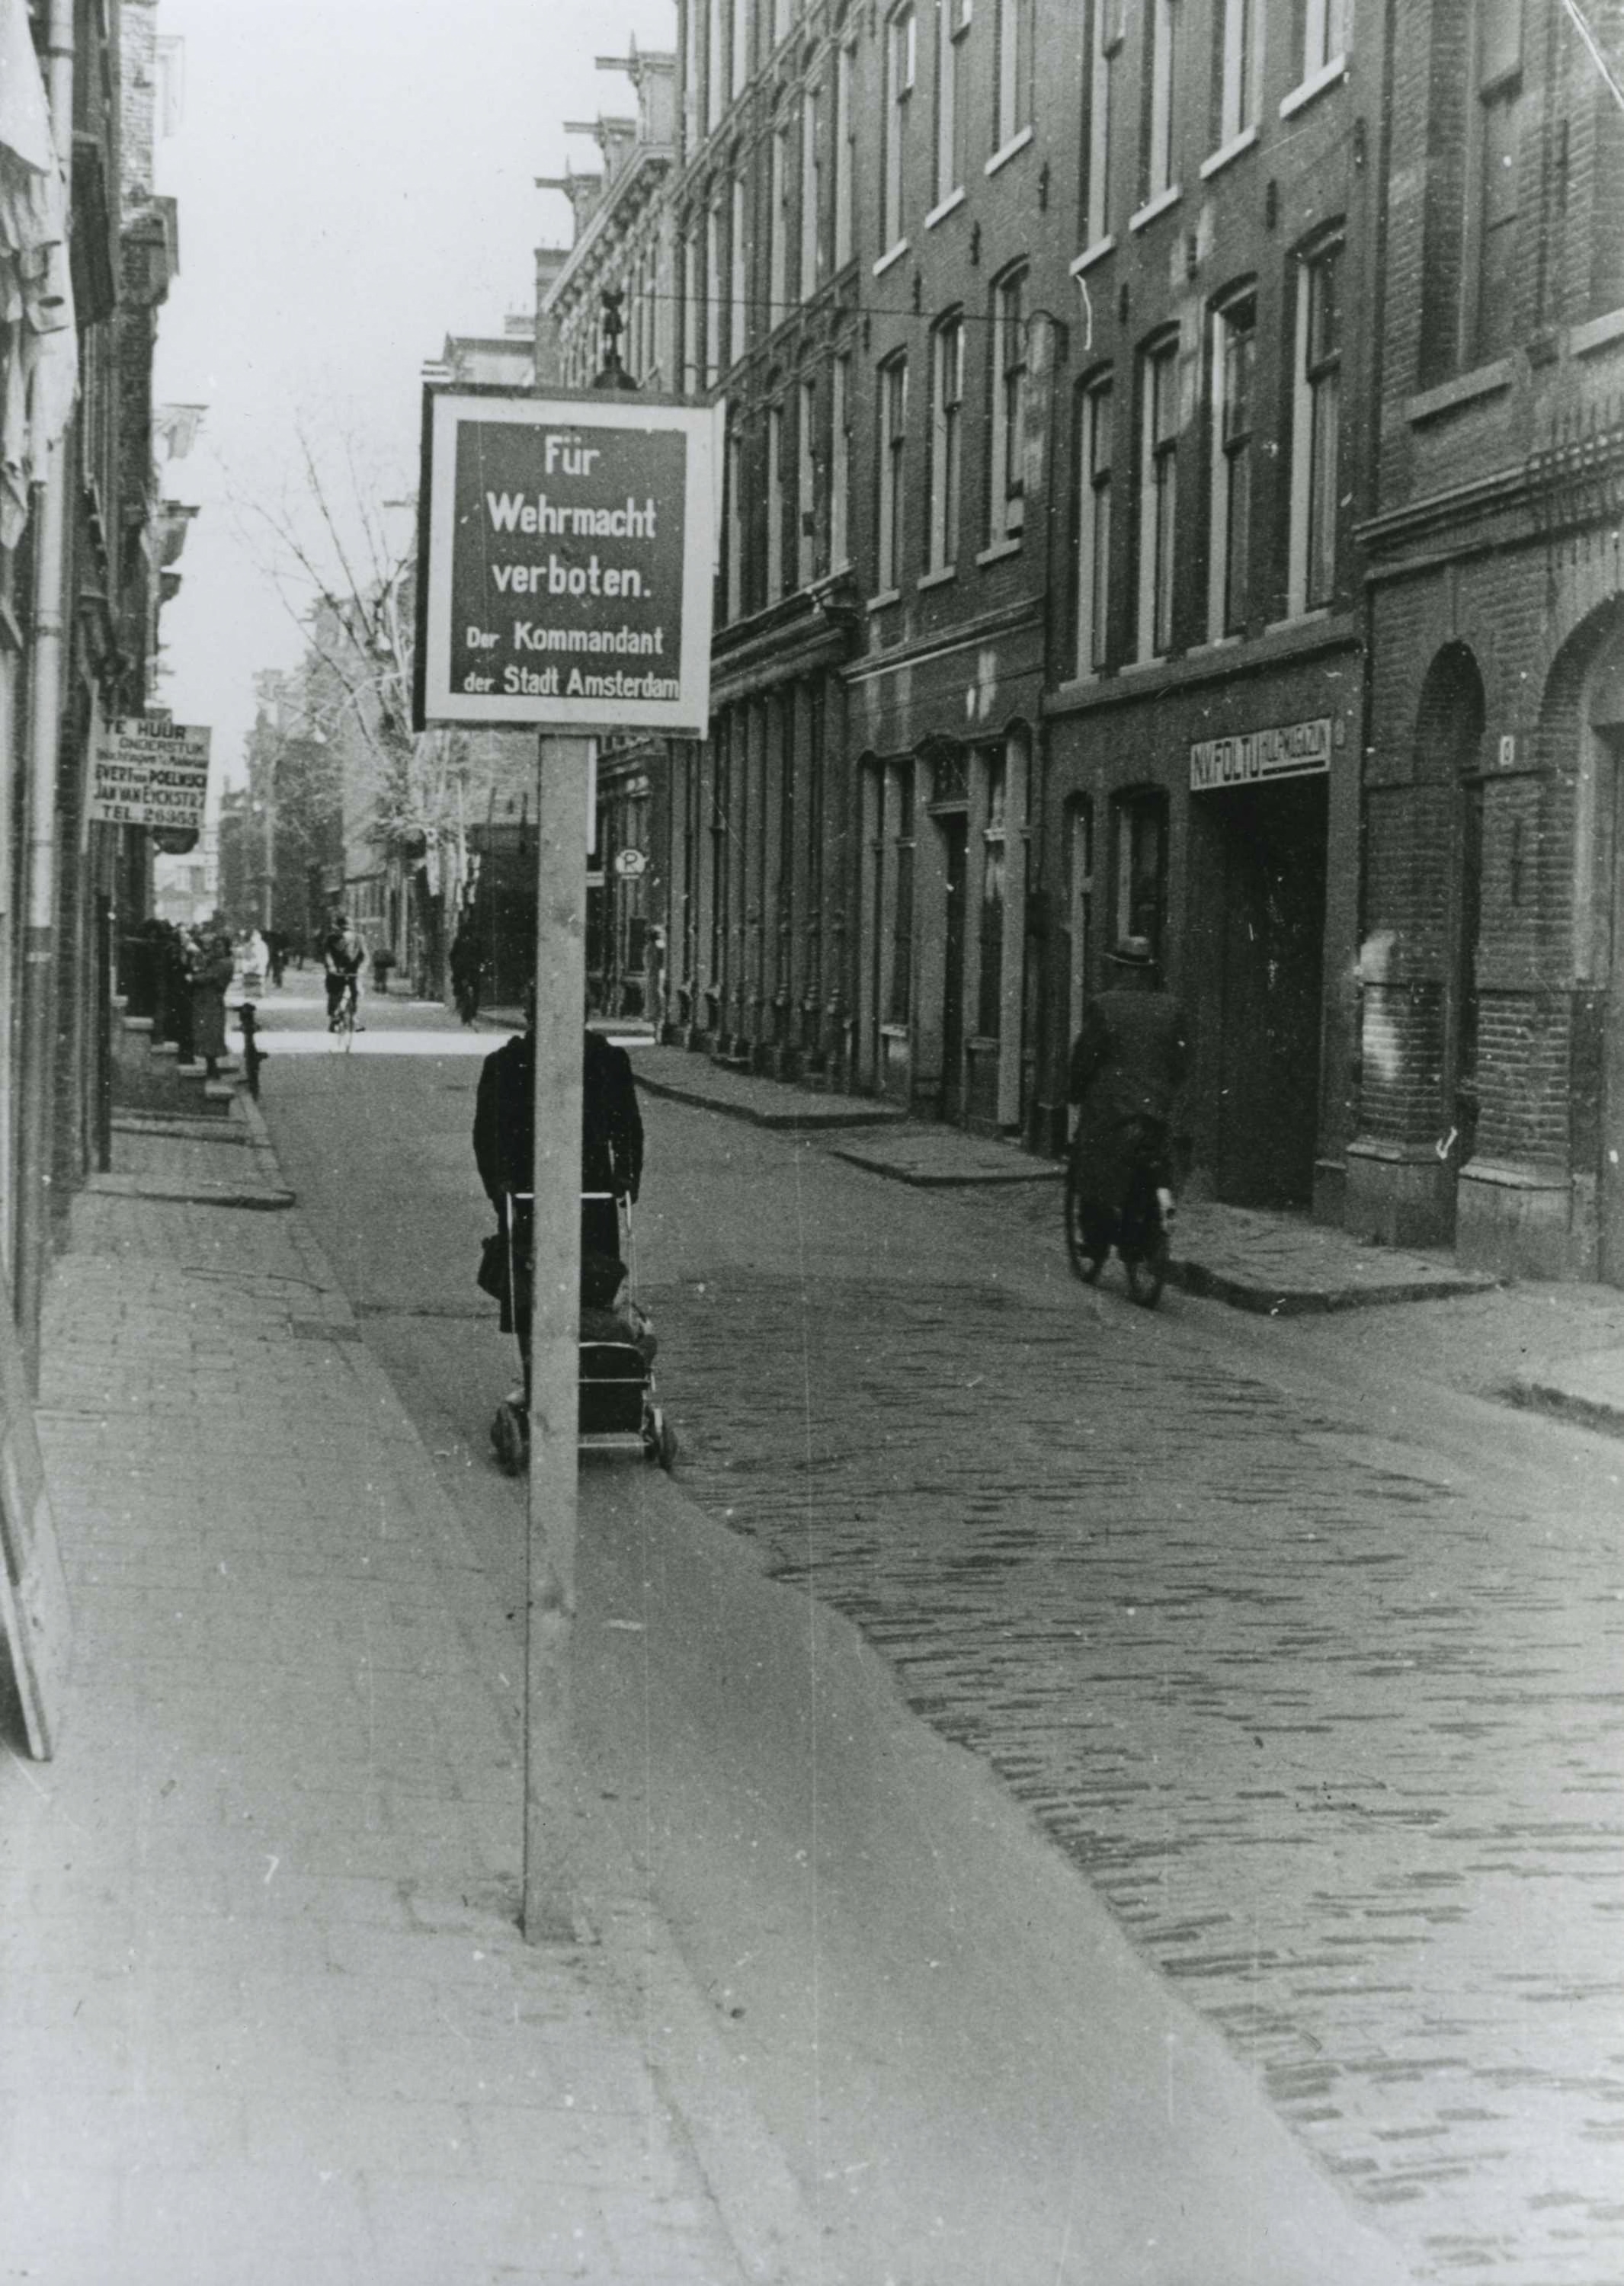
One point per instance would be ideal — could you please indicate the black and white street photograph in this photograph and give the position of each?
(812, 1143)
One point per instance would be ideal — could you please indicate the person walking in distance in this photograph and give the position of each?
(1127, 1067)
(467, 972)
(344, 956)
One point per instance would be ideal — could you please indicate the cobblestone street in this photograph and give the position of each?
(1329, 1717)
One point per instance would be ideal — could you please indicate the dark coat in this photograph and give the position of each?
(1127, 1065)
(611, 1125)
(212, 975)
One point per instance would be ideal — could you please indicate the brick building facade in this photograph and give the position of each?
(1491, 1066)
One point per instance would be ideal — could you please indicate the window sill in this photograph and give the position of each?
(1230, 152)
(1150, 665)
(1159, 205)
(1464, 389)
(1310, 616)
(1002, 158)
(1008, 546)
(1213, 643)
(938, 578)
(1596, 333)
(893, 254)
(884, 600)
(944, 208)
(1090, 255)
(1327, 75)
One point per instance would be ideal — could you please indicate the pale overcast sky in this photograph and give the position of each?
(354, 183)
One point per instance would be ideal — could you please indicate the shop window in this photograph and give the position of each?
(901, 34)
(1006, 506)
(946, 391)
(995, 857)
(1140, 887)
(1234, 357)
(1316, 430)
(1094, 525)
(892, 468)
(1158, 516)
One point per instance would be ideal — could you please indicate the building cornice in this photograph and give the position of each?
(641, 174)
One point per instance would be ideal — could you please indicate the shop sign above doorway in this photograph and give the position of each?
(1294, 750)
(566, 557)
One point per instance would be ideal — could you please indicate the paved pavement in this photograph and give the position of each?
(264, 2011)
(1323, 1701)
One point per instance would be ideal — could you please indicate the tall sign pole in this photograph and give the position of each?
(566, 554)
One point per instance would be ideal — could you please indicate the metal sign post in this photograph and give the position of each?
(566, 551)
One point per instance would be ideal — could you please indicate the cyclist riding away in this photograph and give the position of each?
(343, 956)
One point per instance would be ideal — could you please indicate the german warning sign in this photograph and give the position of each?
(150, 771)
(567, 563)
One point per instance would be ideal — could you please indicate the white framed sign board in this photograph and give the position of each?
(566, 560)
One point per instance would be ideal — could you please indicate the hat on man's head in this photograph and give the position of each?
(1133, 952)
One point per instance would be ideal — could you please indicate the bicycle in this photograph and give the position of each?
(1138, 1230)
(342, 1023)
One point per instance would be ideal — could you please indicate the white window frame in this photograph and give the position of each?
(811, 188)
(806, 482)
(774, 502)
(1327, 32)
(1012, 32)
(778, 228)
(1497, 84)
(952, 25)
(947, 398)
(1007, 485)
(738, 48)
(902, 59)
(712, 292)
(1094, 506)
(840, 463)
(844, 131)
(1162, 116)
(1158, 501)
(736, 526)
(693, 317)
(1239, 61)
(1106, 36)
(891, 520)
(715, 75)
(738, 333)
(1316, 398)
(1226, 614)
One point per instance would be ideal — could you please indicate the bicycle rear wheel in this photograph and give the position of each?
(1084, 1263)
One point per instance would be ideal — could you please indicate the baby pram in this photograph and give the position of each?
(619, 1409)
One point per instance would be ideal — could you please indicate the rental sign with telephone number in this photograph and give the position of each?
(566, 552)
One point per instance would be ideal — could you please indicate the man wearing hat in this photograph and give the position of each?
(1127, 1067)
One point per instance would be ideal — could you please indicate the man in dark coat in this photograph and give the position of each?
(1127, 1067)
(504, 1152)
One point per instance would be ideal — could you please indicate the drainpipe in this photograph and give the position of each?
(45, 680)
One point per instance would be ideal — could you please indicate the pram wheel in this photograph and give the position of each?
(1147, 1272)
(510, 1437)
(659, 1440)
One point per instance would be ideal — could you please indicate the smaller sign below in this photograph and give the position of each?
(631, 864)
(150, 771)
(1295, 750)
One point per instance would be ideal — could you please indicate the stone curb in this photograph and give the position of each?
(934, 1179)
(178, 1191)
(760, 2210)
(799, 1119)
(1562, 1404)
(1268, 1298)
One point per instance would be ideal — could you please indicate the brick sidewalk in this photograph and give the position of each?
(264, 2012)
